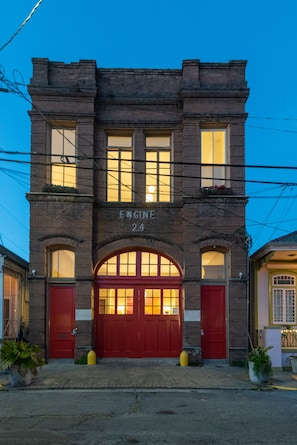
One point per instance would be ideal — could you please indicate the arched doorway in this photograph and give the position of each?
(138, 306)
(213, 305)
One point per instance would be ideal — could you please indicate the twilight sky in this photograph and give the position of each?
(159, 34)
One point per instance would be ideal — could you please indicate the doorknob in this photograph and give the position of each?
(202, 332)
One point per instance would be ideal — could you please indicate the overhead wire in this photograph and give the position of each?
(22, 25)
(94, 160)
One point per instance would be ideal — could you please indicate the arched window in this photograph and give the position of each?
(140, 264)
(213, 265)
(62, 264)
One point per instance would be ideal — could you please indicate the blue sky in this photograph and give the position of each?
(160, 34)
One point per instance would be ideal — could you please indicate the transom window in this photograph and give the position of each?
(284, 299)
(119, 168)
(213, 153)
(213, 265)
(62, 264)
(158, 168)
(63, 157)
(138, 263)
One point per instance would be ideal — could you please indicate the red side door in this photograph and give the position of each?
(62, 321)
(213, 322)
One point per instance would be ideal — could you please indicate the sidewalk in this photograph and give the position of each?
(148, 373)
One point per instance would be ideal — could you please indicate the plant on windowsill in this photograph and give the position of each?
(216, 190)
(53, 188)
(21, 359)
(259, 363)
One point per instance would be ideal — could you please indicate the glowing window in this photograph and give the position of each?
(170, 302)
(63, 157)
(116, 301)
(158, 168)
(213, 153)
(149, 264)
(62, 264)
(152, 302)
(213, 265)
(127, 263)
(137, 263)
(119, 168)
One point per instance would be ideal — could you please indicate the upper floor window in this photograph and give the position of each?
(158, 168)
(119, 168)
(213, 265)
(62, 264)
(284, 299)
(214, 154)
(63, 157)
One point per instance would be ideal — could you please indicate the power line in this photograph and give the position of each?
(22, 25)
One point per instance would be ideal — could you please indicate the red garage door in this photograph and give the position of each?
(137, 306)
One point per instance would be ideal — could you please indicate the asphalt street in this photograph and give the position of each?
(147, 417)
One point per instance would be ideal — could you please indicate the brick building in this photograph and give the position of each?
(137, 204)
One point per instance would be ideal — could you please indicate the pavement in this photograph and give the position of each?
(148, 374)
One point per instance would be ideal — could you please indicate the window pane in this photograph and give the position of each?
(164, 176)
(106, 301)
(62, 264)
(170, 302)
(213, 151)
(277, 306)
(119, 176)
(149, 264)
(152, 301)
(213, 265)
(167, 268)
(125, 301)
(119, 141)
(63, 152)
(128, 264)
(158, 141)
(290, 306)
(109, 268)
(206, 147)
(219, 147)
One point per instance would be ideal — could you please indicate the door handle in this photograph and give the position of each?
(202, 332)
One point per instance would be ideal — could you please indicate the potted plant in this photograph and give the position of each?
(21, 359)
(293, 359)
(259, 362)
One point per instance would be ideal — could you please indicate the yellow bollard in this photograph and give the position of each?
(91, 358)
(183, 359)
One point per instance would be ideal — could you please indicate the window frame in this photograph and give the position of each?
(70, 159)
(281, 290)
(51, 254)
(116, 179)
(209, 179)
(157, 166)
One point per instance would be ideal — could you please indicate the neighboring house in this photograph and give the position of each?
(137, 206)
(273, 298)
(14, 296)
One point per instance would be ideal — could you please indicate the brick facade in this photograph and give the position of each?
(181, 101)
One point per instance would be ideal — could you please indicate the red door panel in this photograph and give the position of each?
(62, 319)
(213, 322)
(116, 336)
(138, 335)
